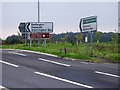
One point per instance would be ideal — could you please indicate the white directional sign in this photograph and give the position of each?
(42, 27)
(88, 24)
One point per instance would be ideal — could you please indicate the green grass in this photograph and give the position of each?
(106, 51)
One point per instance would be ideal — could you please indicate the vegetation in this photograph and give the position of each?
(14, 39)
(98, 54)
(104, 51)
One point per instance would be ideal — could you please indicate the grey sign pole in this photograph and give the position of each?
(38, 21)
(44, 42)
(30, 42)
(91, 40)
(87, 42)
(25, 37)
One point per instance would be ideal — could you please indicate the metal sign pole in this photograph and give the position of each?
(38, 21)
(30, 42)
(44, 42)
(25, 37)
(91, 40)
(87, 42)
(38, 42)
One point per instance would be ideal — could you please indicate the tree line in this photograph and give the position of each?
(74, 38)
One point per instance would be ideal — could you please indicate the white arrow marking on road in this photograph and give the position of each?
(107, 74)
(18, 53)
(54, 62)
(9, 64)
(64, 80)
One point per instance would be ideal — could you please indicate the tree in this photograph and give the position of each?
(64, 38)
(114, 38)
(98, 35)
(14, 39)
(79, 38)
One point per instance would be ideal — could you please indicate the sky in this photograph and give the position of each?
(64, 15)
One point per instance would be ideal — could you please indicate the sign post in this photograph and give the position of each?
(24, 31)
(36, 30)
(86, 40)
(89, 25)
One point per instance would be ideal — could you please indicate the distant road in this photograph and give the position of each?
(22, 69)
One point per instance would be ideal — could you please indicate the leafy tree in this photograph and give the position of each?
(79, 38)
(64, 38)
(14, 39)
(114, 38)
(98, 35)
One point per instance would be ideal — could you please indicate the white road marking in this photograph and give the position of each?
(18, 53)
(64, 80)
(84, 62)
(1, 87)
(9, 63)
(107, 74)
(54, 62)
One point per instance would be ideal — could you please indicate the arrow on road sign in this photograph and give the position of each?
(27, 26)
(23, 29)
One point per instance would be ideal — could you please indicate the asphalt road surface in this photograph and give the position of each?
(22, 69)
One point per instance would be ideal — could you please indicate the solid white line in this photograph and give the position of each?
(9, 64)
(18, 53)
(54, 62)
(64, 80)
(107, 74)
(1, 87)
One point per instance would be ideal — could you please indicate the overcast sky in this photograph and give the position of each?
(64, 15)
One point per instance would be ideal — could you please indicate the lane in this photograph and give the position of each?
(111, 68)
(79, 74)
(24, 77)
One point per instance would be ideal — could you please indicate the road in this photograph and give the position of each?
(23, 69)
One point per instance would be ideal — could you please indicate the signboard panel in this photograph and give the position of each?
(42, 27)
(88, 24)
(39, 35)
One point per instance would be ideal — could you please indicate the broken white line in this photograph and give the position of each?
(9, 63)
(64, 80)
(54, 62)
(107, 74)
(18, 53)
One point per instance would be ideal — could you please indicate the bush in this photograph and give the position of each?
(14, 39)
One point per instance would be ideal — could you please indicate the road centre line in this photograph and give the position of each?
(64, 80)
(107, 74)
(18, 53)
(9, 63)
(62, 64)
